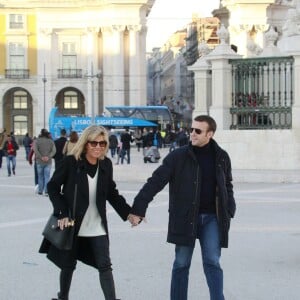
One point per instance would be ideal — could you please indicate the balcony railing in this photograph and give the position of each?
(17, 73)
(69, 73)
(262, 93)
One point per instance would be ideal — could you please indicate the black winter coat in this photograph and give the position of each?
(181, 170)
(65, 177)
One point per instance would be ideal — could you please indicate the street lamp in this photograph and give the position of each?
(44, 82)
(92, 76)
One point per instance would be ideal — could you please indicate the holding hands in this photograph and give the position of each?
(134, 220)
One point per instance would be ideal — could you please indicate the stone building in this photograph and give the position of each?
(169, 80)
(79, 56)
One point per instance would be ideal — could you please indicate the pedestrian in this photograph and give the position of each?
(2, 141)
(69, 145)
(10, 151)
(201, 204)
(59, 146)
(44, 150)
(32, 160)
(126, 139)
(182, 138)
(113, 144)
(27, 141)
(138, 136)
(89, 167)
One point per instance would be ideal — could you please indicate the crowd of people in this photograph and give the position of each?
(201, 200)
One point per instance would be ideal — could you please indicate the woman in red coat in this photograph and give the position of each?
(91, 170)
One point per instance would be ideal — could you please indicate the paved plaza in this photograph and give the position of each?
(261, 263)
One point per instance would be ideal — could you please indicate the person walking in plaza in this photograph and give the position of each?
(10, 150)
(32, 160)
(89, 168)
(201, 204)
(3, 137)
(126, 139)
(59, 146)
(27, 141)
(113, 144)
(44, 150)
(69, 145)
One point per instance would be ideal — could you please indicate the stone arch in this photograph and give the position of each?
(18, 112)
(70, 101)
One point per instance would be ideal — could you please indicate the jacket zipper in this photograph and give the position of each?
(197, 187)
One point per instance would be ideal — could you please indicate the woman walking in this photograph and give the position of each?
(91, 170)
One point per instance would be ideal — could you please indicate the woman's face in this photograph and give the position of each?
(95, 148)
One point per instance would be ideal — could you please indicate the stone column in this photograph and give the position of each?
(92, 86)
(113, 65)
(118, 65)
(290, 44)
(221, 80)
(202, 78)
(137, 64)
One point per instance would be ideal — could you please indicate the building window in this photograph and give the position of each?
(16, 56)
(20, 100)
(16, 21)
(69, 57)
(20, 125)
(70, 100)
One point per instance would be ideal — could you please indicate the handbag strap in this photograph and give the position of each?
(74, 202)
(75, 195)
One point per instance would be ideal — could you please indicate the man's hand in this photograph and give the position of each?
(134, 220)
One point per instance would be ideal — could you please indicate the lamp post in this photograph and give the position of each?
(44, 83)
(92, 76)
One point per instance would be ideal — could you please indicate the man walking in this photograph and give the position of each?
(44, 150)
(126, 139)
(201, 204)
(2, 141)
(59, 145)
(10, 149)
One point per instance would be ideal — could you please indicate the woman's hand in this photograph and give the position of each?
(65, 222)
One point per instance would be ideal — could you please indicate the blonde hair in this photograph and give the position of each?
(89, 134)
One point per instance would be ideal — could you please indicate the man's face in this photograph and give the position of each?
(203, 136)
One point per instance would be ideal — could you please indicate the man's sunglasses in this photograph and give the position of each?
(95, 143)
(197, 130)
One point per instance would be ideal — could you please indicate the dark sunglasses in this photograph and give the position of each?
(95, 143)
(197, 130)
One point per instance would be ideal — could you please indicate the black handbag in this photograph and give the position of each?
(61, 239)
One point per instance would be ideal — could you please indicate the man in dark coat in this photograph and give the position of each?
(201, 204)
(126, 139)
(59, 145)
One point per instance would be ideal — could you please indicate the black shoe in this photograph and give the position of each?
(14, 172)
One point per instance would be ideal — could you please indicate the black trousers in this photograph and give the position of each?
(100, 249)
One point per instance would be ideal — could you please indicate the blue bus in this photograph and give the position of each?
(122, 116)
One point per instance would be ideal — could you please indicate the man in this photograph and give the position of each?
(201, 204)
(27, 141)
(59, 145)
(10, 149)
(2, 141)
(126, 139)
(44, 150)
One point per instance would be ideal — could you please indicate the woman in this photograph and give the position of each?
(91, 170)
(69, 145)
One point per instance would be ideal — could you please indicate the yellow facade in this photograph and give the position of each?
(32, 44)
(2, 44)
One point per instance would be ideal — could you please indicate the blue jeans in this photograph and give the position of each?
(43, 177)
(10, 159)
(208, 235)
